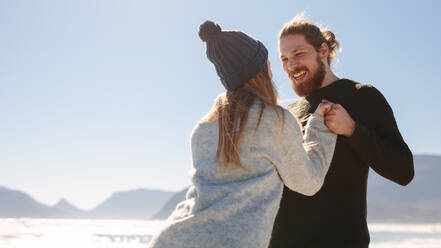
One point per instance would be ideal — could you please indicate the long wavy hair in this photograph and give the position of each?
(232, 109)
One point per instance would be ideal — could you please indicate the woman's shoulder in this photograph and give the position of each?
(272, 114)
(204, 128)
(270, 111)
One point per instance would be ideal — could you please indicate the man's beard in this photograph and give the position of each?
(307, 87)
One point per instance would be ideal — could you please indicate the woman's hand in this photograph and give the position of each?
(324, 107)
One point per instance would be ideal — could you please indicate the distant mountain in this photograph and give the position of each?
(68, 210)
(420, 201)
(170, 205)
(14, 204)
(134, 204)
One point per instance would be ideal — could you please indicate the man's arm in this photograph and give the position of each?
(377, 142)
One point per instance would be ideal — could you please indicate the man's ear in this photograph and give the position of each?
(324, 51)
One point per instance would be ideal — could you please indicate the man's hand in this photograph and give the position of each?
(339, 121)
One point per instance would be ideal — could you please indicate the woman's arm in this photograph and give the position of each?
(302, 161)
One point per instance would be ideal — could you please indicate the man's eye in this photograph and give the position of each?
(300, 54)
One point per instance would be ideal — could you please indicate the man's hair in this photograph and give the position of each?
(313, 34)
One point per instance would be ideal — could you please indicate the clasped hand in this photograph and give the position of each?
(337, 119)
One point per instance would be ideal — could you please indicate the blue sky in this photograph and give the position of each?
(101, 96)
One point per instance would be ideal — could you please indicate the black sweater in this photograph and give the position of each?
(336, 215)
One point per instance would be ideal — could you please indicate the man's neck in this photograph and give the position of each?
(330, 77)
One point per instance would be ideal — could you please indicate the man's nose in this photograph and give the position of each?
(291, 65)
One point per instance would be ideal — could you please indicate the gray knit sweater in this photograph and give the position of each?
(236, 208)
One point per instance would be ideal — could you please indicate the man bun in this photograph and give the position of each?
(332, 42)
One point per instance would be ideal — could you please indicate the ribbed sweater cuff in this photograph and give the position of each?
(317, 121)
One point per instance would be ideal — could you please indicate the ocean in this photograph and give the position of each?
(66, 233)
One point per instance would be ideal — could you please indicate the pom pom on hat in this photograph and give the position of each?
(209, 31)
(236, 56)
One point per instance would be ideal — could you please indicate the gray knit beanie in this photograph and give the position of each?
(236, 56)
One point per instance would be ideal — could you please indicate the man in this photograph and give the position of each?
(368, 137)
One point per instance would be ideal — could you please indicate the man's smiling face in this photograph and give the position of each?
(302, 62)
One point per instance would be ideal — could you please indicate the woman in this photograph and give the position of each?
(243, 151)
